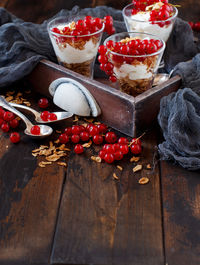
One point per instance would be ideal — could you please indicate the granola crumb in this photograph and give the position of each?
(119, 167)
(115, 176)
(137, 168)
(143, 181)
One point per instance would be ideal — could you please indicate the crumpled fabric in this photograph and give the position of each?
(24, 44)
(179, 118)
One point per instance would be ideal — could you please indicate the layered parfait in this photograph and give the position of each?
(76, 41)
(151, 16)
(132, 59)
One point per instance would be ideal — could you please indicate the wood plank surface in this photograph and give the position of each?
(29, 199)
(107, 221)
(181, 210)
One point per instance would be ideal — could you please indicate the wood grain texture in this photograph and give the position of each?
(29, 200)
(181, 209)
(107, 221)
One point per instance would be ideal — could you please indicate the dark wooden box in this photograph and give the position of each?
(119, 110)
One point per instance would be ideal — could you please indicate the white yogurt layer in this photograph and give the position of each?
(133, 72)
(134, 24)
(68, 54)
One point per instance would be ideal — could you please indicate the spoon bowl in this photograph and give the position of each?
(45, 130)
(61, 115)
(160, 78)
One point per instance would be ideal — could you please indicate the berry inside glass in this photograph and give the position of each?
(76, 40)
(135, 59)
(150, 16)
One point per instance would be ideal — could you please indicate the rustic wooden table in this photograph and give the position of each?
(82, 215)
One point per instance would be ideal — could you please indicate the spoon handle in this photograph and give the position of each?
(7, 106)
(36, 113)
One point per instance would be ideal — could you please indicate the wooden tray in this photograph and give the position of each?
(119, 110)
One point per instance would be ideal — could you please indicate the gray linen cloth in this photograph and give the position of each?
(179, 118)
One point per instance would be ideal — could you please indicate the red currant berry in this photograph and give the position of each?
(102, 59)
(44, 115)
(116, 147)
(136, 149)
(35, 130)
(123, 140)
(56, 30)
(14, 123)
(43, 103)
(97, 139)
(108, 66)
(113, 78)
(78, 149)
(136, 141)
(109, 148)
(118, 155)
(110, 30)
(102, 66)
(109, 43)
(15, 137)
(108, 18)
(102, 128)
(63, 138)
(82, 128)
(88, 126)
(102, 154)
(5, 127)
(68, 131)
(110, 137)
(52, 117)
(75, 138)
(8, 116)
(124, 149)
(93, 130)
(84, 136)
(102, 49)
(76, 129)
(109, 158)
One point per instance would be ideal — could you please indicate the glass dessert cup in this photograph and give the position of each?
(162, 28)
(76, 53)
(134, 73)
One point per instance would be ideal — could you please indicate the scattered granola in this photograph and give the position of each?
(87, 145)
(115, 176)
(137, 168)
(96, 159)
(148, 166)
(119, 167)
(143, 180)
(135, 159)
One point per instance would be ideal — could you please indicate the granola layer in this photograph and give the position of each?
(81, 68)
(134, 87)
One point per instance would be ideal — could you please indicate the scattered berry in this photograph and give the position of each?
(5, 127)
(14, 123)
(8, 116)
(109, 158)
(84, 136)
(75, 138)
(136, 149)
(78, 149)
(14, 137)
(52, 117)
(97, 139)
(43, 103)
(63, 138)
(110, 137)
(45, 115)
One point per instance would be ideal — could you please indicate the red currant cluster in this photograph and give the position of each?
(9, 121)
(114, 149)
(140, 5)
(195, 26)
(48, 116)
(87, 26)
(133, 47)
